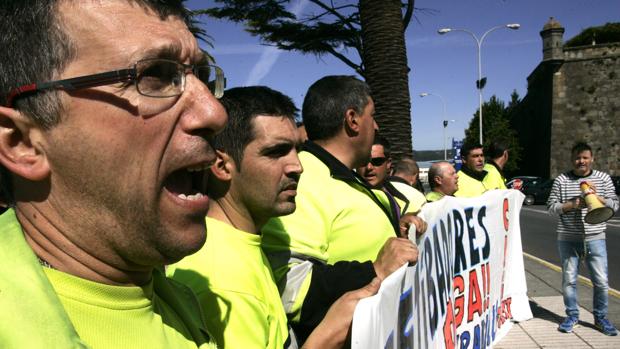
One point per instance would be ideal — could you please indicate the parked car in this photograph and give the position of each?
(535, 189)
(537, 192)
(519, 181)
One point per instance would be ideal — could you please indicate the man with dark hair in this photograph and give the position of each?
(105, 125)
(443, 180)
(338, 217)
(472, 174)
(254, 178)
(377, 170)
(402, 197)
(578, 240)
(407, 171)
(497, 157)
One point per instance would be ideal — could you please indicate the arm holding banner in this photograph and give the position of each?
(334, 330)
(394, 254)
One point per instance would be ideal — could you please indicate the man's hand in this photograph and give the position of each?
(575, 203)
(394, 253)
(335, 328)
(409, 219)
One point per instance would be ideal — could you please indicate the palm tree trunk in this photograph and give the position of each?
(386, 71)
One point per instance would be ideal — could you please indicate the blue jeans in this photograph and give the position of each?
(595, 256)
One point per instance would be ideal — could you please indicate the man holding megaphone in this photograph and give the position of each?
(584, 199)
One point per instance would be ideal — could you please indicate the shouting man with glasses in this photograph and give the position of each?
(107, 114)
(104, 140)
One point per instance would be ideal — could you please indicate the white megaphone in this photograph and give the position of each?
(597, 212)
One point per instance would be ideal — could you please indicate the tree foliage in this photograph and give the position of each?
(373, 30)
(334, 28)
(604, 34)
(496, 127)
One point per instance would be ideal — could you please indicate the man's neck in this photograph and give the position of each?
(478, 175)
(439, 191)
(500, 163)
(341, 150)
(56, 247)
(586, 174)
(225, 210)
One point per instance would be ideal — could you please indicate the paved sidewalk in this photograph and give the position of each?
(544, 291)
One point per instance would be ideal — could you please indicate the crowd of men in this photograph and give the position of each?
(148, 207)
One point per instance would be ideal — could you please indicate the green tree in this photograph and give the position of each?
(496, 127)
(373, 30)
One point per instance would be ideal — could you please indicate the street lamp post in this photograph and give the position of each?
(445, 147)
(445, 122)
(480, 84)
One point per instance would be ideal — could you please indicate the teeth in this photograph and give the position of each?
(191, 197)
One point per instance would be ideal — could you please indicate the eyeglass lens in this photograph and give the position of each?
(164, 78)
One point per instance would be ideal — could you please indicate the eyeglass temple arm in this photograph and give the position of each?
(81, 82)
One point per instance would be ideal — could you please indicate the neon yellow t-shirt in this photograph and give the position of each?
(469, 187)
(235, 286)
(434, 196)
(333, 221)
(493, 179)
(107, 316)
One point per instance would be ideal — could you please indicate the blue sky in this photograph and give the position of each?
(444, 65)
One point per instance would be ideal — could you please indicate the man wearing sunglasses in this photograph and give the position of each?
(339, 217)
(105, 125)
(402, 197)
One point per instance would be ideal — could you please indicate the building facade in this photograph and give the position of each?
(573, 95)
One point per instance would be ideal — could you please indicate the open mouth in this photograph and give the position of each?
(188, 183)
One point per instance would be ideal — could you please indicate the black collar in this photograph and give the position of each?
(337, 169)
(340, 171)
(574, 175)
(398, 179)
(473, 174)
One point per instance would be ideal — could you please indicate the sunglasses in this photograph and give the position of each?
(377, 161)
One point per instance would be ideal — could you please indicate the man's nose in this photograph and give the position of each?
(204, 113)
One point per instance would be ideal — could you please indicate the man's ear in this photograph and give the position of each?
(20, 146)
(438, 180)
(351, 122)
(223, 166)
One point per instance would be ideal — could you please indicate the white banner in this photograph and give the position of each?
(468, 284)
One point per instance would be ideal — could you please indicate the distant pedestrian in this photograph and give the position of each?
(472, 174)
(580, 240)
(497, 157)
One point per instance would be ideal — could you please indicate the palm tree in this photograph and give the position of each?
(372, 28)
(385, 68)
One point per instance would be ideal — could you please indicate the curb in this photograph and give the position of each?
(582, 279)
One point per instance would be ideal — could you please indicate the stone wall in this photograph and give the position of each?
(586, 107)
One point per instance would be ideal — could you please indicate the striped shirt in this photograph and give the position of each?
(571, 226)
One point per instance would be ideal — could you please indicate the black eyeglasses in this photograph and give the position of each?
(159, 78)
(377, 161)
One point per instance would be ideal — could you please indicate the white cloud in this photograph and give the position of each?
(270, 55)
(236, 49)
